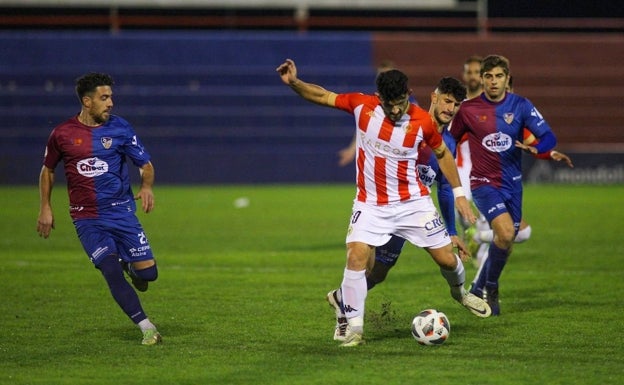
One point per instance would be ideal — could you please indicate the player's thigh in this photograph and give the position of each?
(421, 225)
(96, 240)
(369, 225)
(490, 202)
(132, 243)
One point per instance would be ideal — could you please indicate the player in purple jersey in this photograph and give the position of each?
(494, 122)
(94, 146)
(480, 235)
(445, 101)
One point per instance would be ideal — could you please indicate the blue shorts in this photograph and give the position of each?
(493, 202)
(123, 237)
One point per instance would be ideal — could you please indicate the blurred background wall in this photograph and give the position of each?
(197, 78)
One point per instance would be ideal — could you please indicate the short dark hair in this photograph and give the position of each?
(392, 85)
(474, 59)
(452, 86)
(87, 84)
(492, 61)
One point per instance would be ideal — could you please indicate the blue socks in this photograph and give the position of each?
(122, 292)
(491, 271)
(497, 260)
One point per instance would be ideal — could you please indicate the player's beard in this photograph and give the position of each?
(474, 87)
(441, 122)
(101, 118)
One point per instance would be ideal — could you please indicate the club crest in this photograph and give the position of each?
(107, 142)
(509, 116)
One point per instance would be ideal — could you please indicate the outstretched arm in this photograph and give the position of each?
(45, 222)
(528, 144)
(310, 92)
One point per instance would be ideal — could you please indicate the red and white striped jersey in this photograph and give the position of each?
(387, 151)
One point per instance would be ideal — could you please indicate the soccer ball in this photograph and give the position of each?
(431, 327)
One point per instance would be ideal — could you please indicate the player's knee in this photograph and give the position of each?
(523, 234)
(504, 238)
(147, 274)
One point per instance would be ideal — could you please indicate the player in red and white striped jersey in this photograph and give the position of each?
(390, 197)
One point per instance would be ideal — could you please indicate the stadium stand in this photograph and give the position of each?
(202, 93)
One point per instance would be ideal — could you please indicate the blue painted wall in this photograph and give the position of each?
(208, 105)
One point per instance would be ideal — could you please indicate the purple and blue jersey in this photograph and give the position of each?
(96, 167)
(429, 172)
(493, 128)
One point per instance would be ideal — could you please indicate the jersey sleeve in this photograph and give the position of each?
(531, 140)
(53, 154)
(133, 147)
(431, 135)
(348, 102)
(534, 121)
(457, 127)
(528, 138)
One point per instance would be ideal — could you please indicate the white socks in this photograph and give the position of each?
(523, 235)
(456, 279)
(354, 292)
(486, 236)
(146, 324)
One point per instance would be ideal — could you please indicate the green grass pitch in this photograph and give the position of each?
(240, 297)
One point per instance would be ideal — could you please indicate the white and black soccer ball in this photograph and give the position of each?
(431, 327)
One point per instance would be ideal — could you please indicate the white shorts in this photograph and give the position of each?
(416, 221)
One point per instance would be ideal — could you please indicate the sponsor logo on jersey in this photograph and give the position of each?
(508, 116)
(107, 142)
(92, 167)
(427, 174)
(381, 146)
(497, 142)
